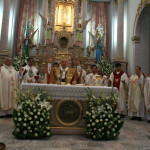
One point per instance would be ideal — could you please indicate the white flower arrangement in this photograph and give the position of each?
(105, 123)
(32, 118)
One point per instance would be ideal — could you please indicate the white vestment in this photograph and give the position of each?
(147, 97)
(29, 76)
(8, 83)
(90, 79)
(63, 72)
(104, 83)
(136, 106)
(123, 93)
(83, 74)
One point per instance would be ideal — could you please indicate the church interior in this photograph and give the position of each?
(74, 74)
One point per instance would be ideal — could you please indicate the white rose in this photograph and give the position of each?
(115, 126)
(30, 118)
(25, 119)
(114, 134)
(31, 113)
(105, 123)
(24, 124)
(36, 134)
(104, 115)
(88, 125)
(41, 119)
(47, 128)
(35, 128)
(119, 121)
(19, 119)
(26, 116)
(37, 122)
(93, 124)
(93, 116)
(18, 114)
(101, 120)
(38, 113)
(108, 132)
(30, 131)
(17, 130)
(25, 132)
(97, 120)
(31, 122)
(106, 119)
(35, 117)
(34, 110)
(99, 130)
(94, 129)
(113, 129)
(15, 118)
(90, 120)
(94, 136)
(29, 128)
(87, 112)
(44, 131)
(48, 133)
(109, 116)
(118, 116)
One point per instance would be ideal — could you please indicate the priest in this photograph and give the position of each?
(136, 106)
(119, 79)
(50, 71)
(147, 97)
(30, 72)
(64, 70)
(8, 86)
(91, 78)
(81, 73)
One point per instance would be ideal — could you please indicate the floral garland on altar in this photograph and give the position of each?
(102, 119)
(32, 116)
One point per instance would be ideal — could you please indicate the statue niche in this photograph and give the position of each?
(63, 38)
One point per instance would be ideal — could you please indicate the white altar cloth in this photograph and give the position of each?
(68, 92)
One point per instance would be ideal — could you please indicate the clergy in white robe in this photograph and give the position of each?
(104, 79)
(136, 106)
(119, 79)
(8, 86)
(28, 76)
(81, 73)
(147, 97)
(91, 79)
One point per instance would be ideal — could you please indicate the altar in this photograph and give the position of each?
(69, 105)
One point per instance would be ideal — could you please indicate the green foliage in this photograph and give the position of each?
(102, 119)
(32, 116)
(19, 60)
(107, 68)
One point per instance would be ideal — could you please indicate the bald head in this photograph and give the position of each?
(64, 63)
(8, 61)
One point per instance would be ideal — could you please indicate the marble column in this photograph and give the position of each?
(44, 12)
(84, 14)
(5, 25)
(120, 27)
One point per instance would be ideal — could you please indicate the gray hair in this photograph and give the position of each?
(6, 58)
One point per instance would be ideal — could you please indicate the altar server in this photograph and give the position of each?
(29, 73)
(81, 73)
(119, 79)
(8, 85)
(91, 78)
(147, 97)
(50, 71)
(136, 107)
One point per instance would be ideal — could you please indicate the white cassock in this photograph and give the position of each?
(83, 74)
(123, 93)
(104, 83)
(147, 97)
(136, 106)
(29, 76)
(90, 79)
(8, 85)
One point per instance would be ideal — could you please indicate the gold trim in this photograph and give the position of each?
(67, 128)
(68, 124)
(119, 58)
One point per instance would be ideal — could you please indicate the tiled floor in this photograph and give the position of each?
(134, 135)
